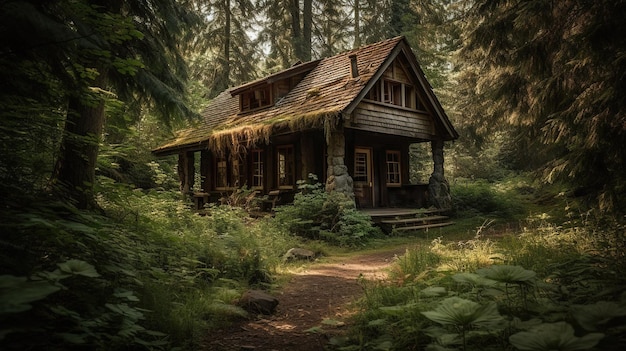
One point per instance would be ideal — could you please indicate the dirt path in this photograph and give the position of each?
(321, 292)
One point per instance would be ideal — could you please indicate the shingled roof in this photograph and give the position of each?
(326, 92)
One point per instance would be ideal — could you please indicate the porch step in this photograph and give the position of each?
(425, 226)
(407, 221)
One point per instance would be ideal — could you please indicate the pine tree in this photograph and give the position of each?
(218, 47)
(92, 51)
(331, 28)
(550, 74)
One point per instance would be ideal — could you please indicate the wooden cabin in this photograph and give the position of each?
(349, 119)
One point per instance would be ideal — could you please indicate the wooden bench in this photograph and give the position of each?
(269, 203)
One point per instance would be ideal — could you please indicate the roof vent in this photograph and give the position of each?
(353, 66)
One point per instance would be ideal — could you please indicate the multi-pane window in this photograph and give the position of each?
(374, 93)
(221, 176)
(286, 167)
(360, 167)
(396, 93)
(393, 168)
(257, 168)
(255, 99)
(392, 93)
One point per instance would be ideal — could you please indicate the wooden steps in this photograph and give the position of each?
(424, 226)
(413, 220)
(390, 219)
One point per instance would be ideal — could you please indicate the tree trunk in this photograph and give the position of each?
(227, 39)
(357, 24)
(307, 20)
(76, 166)
(296, 33)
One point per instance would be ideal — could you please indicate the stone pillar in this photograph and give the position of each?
(438, 187)
(338, 178)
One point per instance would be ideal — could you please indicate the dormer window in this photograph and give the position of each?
(255, 99)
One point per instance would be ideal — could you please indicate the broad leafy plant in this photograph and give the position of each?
(465, 316)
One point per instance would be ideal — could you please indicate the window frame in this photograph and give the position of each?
(395, 93)
(393, 168)
(249, 101)
(288, 169)
(221, 173)
(256, 159)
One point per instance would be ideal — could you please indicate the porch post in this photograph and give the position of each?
(438, 187)
(205, 170)
(186, 171)
(338, 178)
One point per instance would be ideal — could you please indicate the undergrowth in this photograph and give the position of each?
(145, 272)
(547, 287)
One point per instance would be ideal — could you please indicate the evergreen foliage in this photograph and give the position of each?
(81, 55)
(550, 75)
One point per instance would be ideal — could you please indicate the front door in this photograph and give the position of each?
(363, 177)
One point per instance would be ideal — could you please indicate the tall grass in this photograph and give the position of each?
(521, 289)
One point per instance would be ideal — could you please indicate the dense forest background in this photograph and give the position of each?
(533, 85)
(88, 87)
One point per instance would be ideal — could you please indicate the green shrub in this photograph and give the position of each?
(332, 217)
(479, 197)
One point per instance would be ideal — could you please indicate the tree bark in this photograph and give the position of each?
(357, 24)
(76, 166)
(307, 25)
(296, 33)
(227, 39)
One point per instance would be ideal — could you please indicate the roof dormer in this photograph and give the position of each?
(255, 99)
(264, 93)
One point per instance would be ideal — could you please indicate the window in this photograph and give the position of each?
(286, 167)
(255, 99)
(393, 168)
(221, 176)
(396, 93)
(360, 167)
(238, 173)
(409, 97)
(257, 169)
(392, 93)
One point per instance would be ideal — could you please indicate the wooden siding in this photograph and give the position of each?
(397, 72)
(380, 118)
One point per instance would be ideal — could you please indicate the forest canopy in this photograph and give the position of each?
(540, 81)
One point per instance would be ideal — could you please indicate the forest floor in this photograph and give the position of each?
(320, 292)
